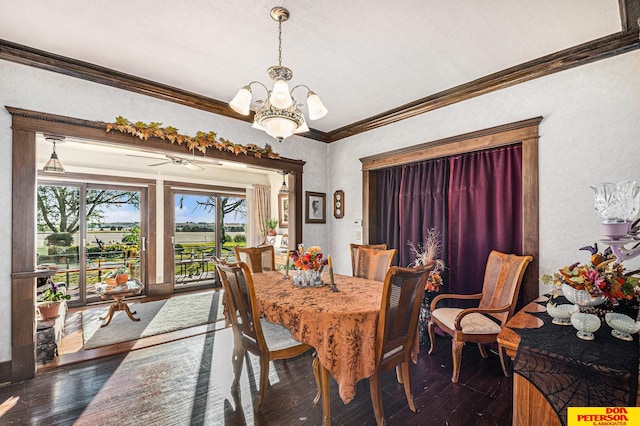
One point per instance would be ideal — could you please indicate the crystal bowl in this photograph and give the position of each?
(623, 326)
(561, 314)
(586, 324)
(581, 297)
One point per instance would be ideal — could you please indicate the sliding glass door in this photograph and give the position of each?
(87, 230)
(205, 224)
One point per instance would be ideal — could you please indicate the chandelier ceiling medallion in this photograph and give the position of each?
(279, 114)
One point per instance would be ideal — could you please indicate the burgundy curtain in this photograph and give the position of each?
(485, 213)
(423, 205)
(387, 199)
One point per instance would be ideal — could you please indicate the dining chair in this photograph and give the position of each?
(397, 327)
(259, 259)
(372, 263)
(251, 333)
(353, 248)
(497, 302)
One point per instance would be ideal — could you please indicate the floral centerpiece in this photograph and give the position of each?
(425, 253)
(603, 276)
(308, 264)
(308, 259)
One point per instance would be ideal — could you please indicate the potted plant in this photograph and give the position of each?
(49, 302)
(117, 276)
(272, 224)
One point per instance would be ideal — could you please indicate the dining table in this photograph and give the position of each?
(340, 325)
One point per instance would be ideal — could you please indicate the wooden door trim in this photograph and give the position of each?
(525, 132)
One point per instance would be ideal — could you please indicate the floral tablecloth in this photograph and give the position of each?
(341, 326)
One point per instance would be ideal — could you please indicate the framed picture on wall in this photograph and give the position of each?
(316, 207)
(283, 210)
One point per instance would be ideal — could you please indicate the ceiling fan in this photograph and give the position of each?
(178, 161)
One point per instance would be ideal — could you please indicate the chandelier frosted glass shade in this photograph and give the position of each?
(280, 96)
(241, 103)
(317, 110)
(279, 127)
(279, 114)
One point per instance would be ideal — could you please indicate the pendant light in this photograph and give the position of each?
(54, 165)
(283, 188)
(279, 114)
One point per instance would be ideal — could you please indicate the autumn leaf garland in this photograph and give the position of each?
(200, 142)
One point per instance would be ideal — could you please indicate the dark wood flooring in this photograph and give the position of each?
(187, 382)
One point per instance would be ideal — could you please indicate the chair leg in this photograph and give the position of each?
(503, 361)
(483, 351)
(407, 385)
(376, 398)
(316, 374)
(399, 374)
(264, 378)
(237, 359)
(456, 354)
(431, 336)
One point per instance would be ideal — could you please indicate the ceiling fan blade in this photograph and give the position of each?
(192, 166)
(143, 156)
(160, 164)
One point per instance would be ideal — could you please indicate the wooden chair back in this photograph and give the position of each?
(399, 311)
(251, 333)
(397, 327)
(372, 263)
(240, 297)
(502, 280)
(353, 249)
(259, 259)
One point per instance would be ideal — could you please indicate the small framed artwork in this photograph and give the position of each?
(283, 210)
(338, 204)
(316, 207)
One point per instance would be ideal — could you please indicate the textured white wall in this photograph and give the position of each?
(589, 134)
(39, 90)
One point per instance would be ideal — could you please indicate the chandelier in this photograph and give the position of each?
(279, 114)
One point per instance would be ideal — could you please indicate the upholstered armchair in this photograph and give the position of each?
(481, 325)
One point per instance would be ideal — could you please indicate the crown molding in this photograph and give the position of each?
(602, 48)
(582, 54)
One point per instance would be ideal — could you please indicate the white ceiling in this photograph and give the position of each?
(363, 57)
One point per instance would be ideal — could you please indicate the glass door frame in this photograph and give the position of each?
(170, 190)
(107, 183)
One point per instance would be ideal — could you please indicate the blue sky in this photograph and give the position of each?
(188, 213)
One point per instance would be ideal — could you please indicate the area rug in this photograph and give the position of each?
(158, 317)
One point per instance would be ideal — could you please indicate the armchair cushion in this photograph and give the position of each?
(473, 323)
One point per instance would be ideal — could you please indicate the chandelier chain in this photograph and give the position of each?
(280, 42)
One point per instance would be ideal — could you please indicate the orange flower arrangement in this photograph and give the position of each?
(602, 275)
(309, 259)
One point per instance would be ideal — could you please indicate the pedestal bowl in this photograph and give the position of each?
(586, 324)
(561, 314)
(622, 325)
(581, 297)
